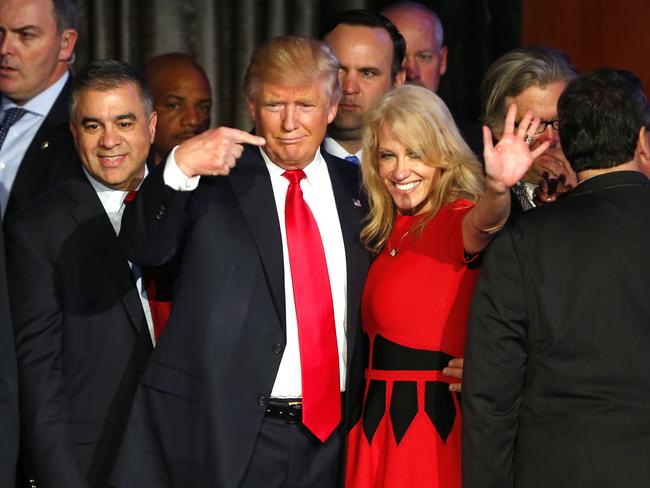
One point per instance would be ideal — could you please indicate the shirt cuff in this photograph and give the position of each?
(175, 178)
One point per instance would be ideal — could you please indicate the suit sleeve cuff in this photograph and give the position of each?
(175, 178)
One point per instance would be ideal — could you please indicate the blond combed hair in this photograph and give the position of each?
(293, 61)
(420, 120)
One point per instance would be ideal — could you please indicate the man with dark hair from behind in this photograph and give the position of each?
(370, 50)
(182, 99)
(556, 388)
(36, 149)
(84, 331)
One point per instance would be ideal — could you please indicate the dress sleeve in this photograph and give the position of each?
(449, 223)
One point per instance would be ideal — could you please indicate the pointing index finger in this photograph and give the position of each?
(242, 137)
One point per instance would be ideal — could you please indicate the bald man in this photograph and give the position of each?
(182, 99)
(426, 56)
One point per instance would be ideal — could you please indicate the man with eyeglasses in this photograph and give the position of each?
(534, 78)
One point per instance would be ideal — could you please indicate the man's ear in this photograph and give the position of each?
(642, 151)
(153, 119)
(643, 144)
(400, 78)
(443, 60)
(68, 41)
(73, 130)
(250, 104)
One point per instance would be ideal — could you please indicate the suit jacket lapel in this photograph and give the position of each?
(34, 162)
(251, 184)
(92, 221)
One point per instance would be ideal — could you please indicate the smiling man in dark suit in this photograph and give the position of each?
(252, 385)
(84, 326)
(36, 150)
(556, 388)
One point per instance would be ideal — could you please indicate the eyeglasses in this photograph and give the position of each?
(543, 124)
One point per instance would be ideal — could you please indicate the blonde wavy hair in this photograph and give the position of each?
(421, 121)
(293, 61)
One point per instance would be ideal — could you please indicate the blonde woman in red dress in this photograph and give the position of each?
(432, 212)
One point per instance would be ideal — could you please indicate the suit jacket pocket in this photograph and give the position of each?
(172, 381)
(83, 432)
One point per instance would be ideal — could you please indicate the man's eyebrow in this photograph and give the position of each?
(373, 69)
(87, 120)
(26, 27)
(129, 115)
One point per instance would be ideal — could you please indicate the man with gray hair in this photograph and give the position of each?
(254, 381)
(534, 78)
(36, 150)
(84, 330)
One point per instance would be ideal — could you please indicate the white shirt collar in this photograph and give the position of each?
(311, 170)
(335, 149)
(111, 198)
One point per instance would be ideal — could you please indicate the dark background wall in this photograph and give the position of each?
(222, 34)
(595, 33)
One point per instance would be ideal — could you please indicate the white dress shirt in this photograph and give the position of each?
(22, 133)
(319, 196)
(113, 203)
(335, 149)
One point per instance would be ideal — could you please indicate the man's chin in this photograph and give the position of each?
(347, 122)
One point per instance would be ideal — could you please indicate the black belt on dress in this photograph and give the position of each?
(438, 402)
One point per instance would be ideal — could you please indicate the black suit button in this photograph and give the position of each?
(277, 348)
(261, 401)
(163, 207)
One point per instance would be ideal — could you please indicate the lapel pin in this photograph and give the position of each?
(45, 144)
(357, 203)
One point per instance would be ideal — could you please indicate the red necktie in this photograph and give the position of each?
(319, 361)
(156, 282)
(158, 296)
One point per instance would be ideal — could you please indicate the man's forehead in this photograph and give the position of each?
(288, 91)
(360, 40)
(417, 25)
(541, 100)
(121, 99)
(18, 14)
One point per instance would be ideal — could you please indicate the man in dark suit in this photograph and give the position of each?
(232, 396)
(83, 328)
(36, 149)
(556, 388)
(8, 386)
